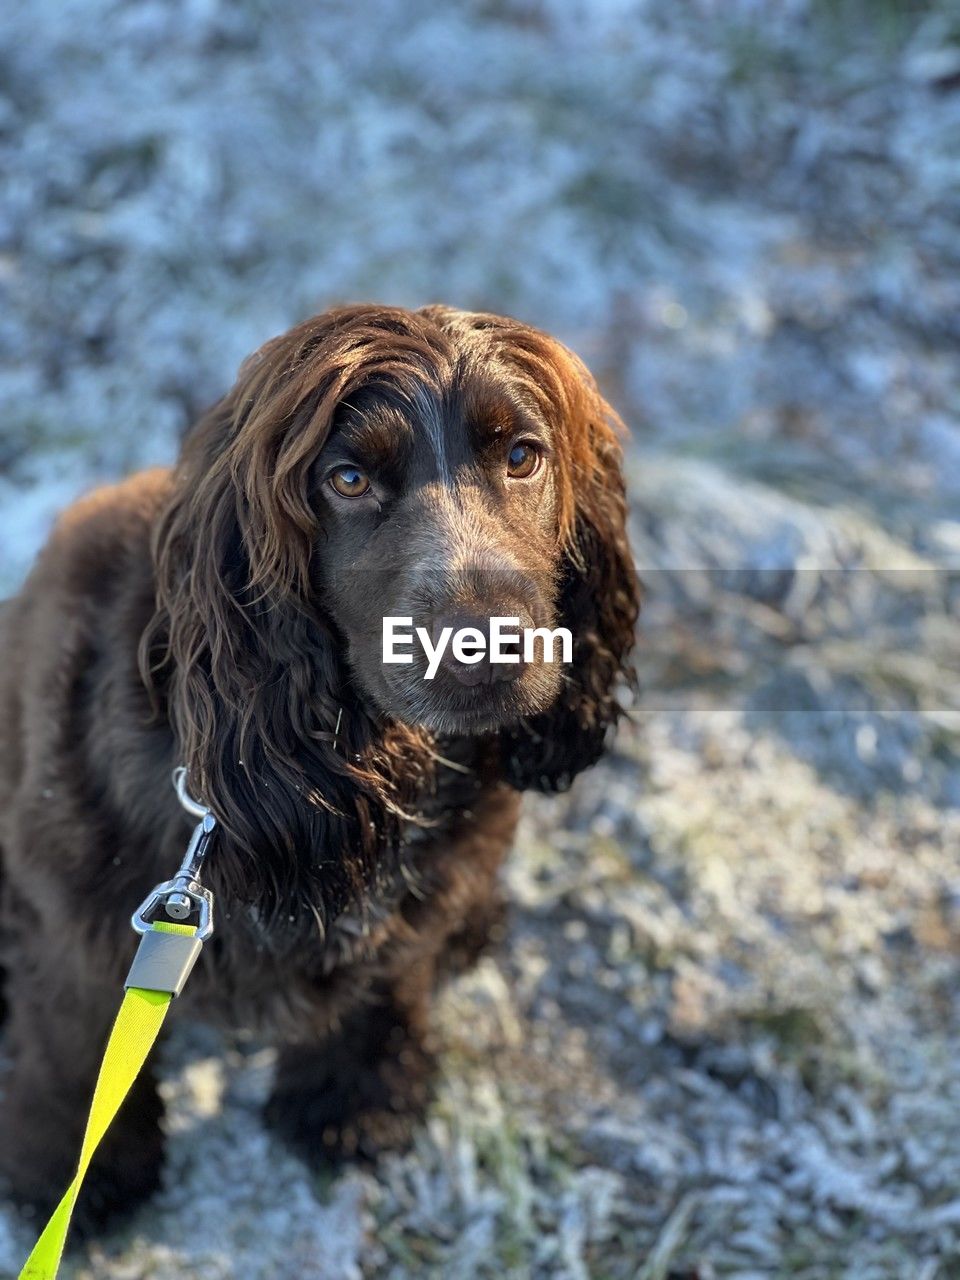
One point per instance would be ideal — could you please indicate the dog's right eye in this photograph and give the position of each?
(350, 482)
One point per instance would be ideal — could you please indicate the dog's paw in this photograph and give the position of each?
(116, 1184)
(112, 1192)
(336, 1120)
(108, 1195)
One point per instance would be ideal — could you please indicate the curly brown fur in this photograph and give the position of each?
(227, 614)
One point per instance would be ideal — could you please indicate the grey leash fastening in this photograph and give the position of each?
(164, 960)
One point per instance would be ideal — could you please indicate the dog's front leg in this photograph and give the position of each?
(362, 1089)
(58, 1029)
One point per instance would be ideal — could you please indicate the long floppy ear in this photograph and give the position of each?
(600, 591)
(309, 789)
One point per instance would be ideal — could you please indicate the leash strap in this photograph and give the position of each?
(134, 1032)
(163, 962)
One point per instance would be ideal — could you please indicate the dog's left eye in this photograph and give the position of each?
(350, 482)
(523, 460)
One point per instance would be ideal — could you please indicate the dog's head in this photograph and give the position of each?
(373, 463)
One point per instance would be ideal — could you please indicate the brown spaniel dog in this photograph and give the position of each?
(228, 614)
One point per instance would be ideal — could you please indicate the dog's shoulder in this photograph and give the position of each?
(103, 531)
(90, 588)
(69, 637)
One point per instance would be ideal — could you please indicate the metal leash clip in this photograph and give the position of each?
(166, 955)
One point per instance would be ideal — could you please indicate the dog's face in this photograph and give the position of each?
(443, 466)
(439, 504)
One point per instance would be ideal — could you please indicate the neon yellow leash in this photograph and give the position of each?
(164, 959)
(138, 1022)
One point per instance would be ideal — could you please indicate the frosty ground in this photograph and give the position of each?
(722, 1036)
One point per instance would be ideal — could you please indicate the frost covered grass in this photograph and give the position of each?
(721, 1038)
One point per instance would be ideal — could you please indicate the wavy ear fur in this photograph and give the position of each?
(600, 591)
(309, 789)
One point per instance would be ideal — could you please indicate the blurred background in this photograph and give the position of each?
(722, 1037)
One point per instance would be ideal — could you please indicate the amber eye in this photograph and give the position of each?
(350, 482)
(523, 460)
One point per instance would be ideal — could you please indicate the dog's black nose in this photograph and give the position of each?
(469, 636)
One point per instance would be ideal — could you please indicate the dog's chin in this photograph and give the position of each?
(448, 709)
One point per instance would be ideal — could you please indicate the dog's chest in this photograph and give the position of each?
(265, 966)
